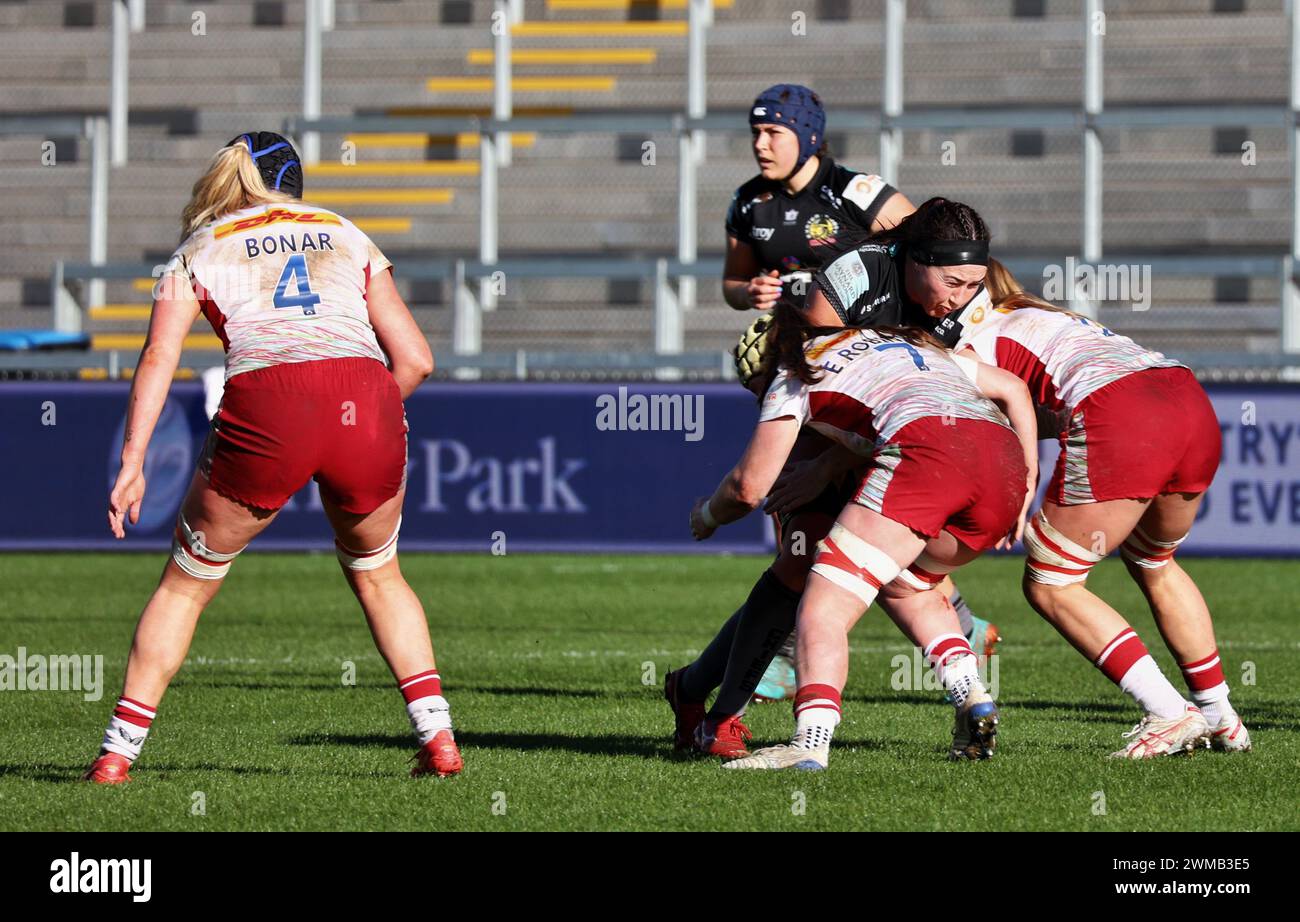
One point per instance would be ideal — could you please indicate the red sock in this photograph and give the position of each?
(420, 685)
(1118, 656)
(135, 712)
(1204, 674)
(809, 697)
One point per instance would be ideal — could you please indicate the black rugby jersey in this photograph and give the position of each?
(792, 232)
(865, 286)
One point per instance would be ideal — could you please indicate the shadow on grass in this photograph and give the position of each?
(604, 744)
(66, 773)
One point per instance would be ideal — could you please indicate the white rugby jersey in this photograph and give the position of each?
(283, 283)
(1061, 357)
(872, 385)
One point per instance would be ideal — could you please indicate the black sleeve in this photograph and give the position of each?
(863, 195)
(738, 219)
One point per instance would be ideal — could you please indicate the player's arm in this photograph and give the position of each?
(892, 213)
(744, 284)
(1012, 396)
(744, 487)
(174, 312)
(398, 333)
(802, 481)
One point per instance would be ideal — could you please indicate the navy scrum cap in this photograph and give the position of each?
(797, 108)
(276, 160)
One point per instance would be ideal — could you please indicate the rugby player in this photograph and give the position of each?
(320, 353)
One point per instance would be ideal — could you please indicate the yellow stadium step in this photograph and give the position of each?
(611, 29)
(384, 225)
(397, 168)
(559, 5)
(382, 196)
(145, 285)
(468, 111)
(416, 139)
(122, 311)
(107, 341)
(568, 56)
(577, 84)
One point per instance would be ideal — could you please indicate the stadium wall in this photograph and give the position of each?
(562, 467)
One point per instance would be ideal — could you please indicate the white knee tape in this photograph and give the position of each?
(924, 573)
(1147, 553)
(853, 564)
(369, 560)
(1054, 559)
(194, 557)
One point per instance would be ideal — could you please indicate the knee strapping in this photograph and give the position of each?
(195, 557)
(1053, 559)
(853, 564)
(368, 560)
(924, 573)
(1139, 548)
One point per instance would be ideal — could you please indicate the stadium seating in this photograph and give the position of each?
(1166, 189)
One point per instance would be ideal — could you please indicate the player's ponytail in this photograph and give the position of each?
(232, 181)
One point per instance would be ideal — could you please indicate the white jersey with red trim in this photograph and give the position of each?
(283, 283)
(1061, 357)
(873, 384)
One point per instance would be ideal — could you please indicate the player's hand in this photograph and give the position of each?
(799, 484)
(125, 498)
(764, 290)
(698, 528)
(1019, 531)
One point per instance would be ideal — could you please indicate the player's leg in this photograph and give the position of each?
(1063, 544)
(1181, 613)
(863, 552)
(366, 545)
(211, 530)
(917, 603)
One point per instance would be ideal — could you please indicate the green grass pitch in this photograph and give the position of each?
(553, 666)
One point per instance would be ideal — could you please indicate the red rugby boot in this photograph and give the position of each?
(726, 740)
(109, 768)
(438, 757)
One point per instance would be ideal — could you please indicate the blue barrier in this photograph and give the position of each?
(540, 467)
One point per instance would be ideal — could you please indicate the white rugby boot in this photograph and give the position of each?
(1229, 735)
(1158, 736)
(785, 756)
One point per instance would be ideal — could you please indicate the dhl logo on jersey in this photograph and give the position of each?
(274, 216)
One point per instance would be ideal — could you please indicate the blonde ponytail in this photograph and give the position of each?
(231, 182)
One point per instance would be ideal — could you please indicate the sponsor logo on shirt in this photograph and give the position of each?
(848, 276)
(864, 188)
(821, 230)
(274, 216)
(763, 233)
(792, 216)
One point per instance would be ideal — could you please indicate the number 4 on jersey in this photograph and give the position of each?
(295, 273)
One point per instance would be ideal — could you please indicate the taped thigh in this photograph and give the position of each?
(1053, 559)
(1141, 549)
(924, 573)
(853, 564)
(195, 557)
(369, 560)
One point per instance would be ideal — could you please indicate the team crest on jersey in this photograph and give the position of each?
(792, 216)
(821, 230)
(274, 216)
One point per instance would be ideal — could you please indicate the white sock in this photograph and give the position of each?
(429, 716)
(814, 728)
(1214, 704)
(960, 677)
(1149, 687)
(126, 739)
